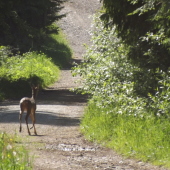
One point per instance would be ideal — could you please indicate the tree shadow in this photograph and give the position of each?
(72, 62)
(50, 118)
(59, 52)
(42, 118)
(61, 97)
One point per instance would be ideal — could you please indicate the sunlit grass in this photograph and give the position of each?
(13, 156)
(145, 138)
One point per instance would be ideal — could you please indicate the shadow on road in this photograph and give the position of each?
(61, 96)
(45, 118)
(56, 106)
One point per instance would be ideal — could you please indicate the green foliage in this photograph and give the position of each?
(23, 23)
(4, 54)
(159, 103)
(144, 28)
(105, 71)
(18, 72)
(134, 125)
(28, 65)
(13, 156)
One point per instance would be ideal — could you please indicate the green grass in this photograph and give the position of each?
(54, 45)
(57, 47)
(13, 156)
(145, 138)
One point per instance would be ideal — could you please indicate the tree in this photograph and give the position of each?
(144, 28)
(21, 22)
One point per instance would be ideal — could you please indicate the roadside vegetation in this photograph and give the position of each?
(128, 82)
(32, 47)
(32, 51)
(18, 71)
(13, 156)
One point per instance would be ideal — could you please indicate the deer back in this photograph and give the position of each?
(27, 104)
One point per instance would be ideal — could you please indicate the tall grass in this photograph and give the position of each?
(143, 137)
(13, 156)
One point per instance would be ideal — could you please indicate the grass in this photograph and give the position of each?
(57, 47)
(13, 156)
(144, 138)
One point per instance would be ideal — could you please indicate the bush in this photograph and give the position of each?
(106, 72)
(29, 65)
(136, 126)
(18, 72)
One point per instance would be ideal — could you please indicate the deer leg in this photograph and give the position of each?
(32, 115)
(31, 120)
(34, 125)
(34, 129)
(20, 118)
(26, 120)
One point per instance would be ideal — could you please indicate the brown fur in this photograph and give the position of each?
(29, 105)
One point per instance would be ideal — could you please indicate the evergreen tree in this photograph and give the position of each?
(143, 26)
(21, 22)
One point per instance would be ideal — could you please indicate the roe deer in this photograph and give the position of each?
(29, 105)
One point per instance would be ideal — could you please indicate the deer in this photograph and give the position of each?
(29, 105)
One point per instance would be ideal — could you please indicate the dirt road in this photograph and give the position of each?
(59, 144)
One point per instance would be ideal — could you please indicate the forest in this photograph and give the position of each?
(126, 73)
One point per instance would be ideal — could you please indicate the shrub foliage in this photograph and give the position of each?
(117, 115)
(19, 71)
(143, 26)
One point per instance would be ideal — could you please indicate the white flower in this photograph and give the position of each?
(158, 114)
(14, 153)
(9, 147)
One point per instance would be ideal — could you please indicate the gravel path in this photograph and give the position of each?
(59, 144)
